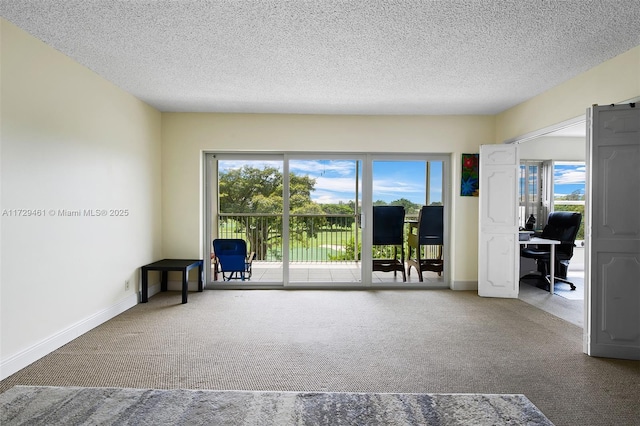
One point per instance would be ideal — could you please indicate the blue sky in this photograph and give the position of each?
(406, 179)
(392, 180)
(335, 179)
(568, 177)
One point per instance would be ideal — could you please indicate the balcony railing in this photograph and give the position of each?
(312, 237)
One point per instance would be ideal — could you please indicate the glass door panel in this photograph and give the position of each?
(249, 206)
(411, 184)
(324, 234)
(435, 185)
(531, 195)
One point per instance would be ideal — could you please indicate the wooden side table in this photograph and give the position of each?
(166, 265)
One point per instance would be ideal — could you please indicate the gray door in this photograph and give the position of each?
(612, 323)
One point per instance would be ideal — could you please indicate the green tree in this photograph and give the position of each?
(410, 208)
(576, 195)
(250, 190)
(339, 209)
(253, 190)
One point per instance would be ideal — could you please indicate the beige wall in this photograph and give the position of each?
(554, 148)
(70, 140)
(185, 136)
(614, 81)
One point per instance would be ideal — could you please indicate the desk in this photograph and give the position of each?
(166, 265)
(552, 260)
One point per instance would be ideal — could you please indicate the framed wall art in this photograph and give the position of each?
(469, 181)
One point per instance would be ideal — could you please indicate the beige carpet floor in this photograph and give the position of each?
(435, 341)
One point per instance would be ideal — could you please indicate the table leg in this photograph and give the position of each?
(552, 268)
(200, 279)
(163, 283)
(144, 297)
(185, 285)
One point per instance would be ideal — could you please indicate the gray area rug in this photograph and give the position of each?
(41, 405)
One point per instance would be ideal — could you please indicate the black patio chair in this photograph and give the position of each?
(388, 230)
(425, 241)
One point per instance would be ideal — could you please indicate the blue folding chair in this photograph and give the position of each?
(232, 259)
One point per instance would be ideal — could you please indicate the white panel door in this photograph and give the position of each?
(613, 233)
(498, 251)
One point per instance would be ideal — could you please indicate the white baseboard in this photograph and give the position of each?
(464, 285)
(22, 359)
(153, 289)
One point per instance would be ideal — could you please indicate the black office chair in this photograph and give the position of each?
(561, 226)
(388, 230)
(428, 232)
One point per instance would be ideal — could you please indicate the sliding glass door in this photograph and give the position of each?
(324, 202)
(246, 202)
(411, 183)
(306, 218)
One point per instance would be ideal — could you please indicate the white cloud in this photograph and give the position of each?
(347, 185)
(225, 165)
(324, 197)
(390, 187)
(317, 167)
(575, 176)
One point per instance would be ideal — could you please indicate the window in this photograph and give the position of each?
(569, 180)
(547, 186)
(532, 193)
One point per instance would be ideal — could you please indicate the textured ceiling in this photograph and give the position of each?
(334, 56)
